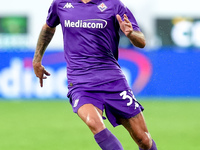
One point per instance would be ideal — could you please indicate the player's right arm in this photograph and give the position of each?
(44, 39)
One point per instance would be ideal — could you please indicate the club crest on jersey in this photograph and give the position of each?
(102, 7)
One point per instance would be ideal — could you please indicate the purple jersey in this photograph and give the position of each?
(91, 38)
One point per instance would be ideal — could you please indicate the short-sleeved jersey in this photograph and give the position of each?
(91, 38)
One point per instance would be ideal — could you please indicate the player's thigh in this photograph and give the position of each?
(92, 116)
(89, 109)
(137, 128)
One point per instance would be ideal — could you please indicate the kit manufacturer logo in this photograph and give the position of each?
(68, 5)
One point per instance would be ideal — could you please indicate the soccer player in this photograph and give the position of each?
(95, 80)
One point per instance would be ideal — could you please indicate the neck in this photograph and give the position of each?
(85, 1)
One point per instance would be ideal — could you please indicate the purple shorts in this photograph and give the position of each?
(116, 104)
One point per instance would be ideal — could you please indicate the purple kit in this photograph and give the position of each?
(117, 103)
(91, 38)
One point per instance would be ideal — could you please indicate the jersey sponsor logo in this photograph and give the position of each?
(102, 7)
(68, 5)
(89, 23)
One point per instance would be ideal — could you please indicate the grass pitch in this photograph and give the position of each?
(51, 125)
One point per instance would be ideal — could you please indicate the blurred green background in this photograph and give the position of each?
(37, 125)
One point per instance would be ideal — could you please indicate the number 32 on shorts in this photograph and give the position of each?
(125, 96)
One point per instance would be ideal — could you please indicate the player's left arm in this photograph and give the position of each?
(136, 37)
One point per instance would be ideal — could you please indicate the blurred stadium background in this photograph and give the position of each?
(165, 77)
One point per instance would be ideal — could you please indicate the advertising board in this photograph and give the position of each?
(158, 73)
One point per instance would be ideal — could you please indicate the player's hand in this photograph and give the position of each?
(136, 37)
(40, 72)
(125, 25)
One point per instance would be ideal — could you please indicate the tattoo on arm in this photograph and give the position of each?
(44, 39)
